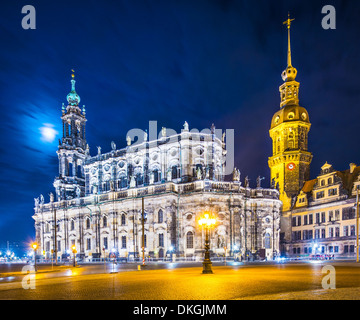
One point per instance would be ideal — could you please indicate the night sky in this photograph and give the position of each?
(201, 61)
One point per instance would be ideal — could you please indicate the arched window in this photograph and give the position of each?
(70, 173)
(174, 174)
(104, 221)
(123, 242)
(122, 182)
(156, 175)
(189, 240)
(139, 179)
(123, 219)
(161, 239)
(267, 241)
(160, 216)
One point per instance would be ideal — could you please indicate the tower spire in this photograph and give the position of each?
(288, 25)
(290, 72)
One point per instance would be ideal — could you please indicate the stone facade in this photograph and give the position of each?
(98, 204)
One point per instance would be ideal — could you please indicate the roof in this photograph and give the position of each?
(349, 178)
(346, 177)
(308, 185)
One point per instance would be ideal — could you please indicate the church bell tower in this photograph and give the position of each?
(72, 149)
(290, 160)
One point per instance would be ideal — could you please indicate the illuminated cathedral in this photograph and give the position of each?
(149, 196)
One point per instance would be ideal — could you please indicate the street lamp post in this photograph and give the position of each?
(74, 252)
(34, 246)
(207, 222)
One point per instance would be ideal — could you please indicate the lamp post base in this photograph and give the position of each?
(207, 267)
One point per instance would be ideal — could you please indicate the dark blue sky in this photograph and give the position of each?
(170, 61)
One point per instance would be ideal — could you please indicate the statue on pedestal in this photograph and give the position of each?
(258, 181)
(236, 175)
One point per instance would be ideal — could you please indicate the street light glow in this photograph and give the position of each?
(207, 221)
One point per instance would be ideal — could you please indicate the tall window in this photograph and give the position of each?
(156, 175)
(160, 216)
(322, 233)
(337, 232)
(104, 221)
(139, 179)
(123, 242)
(88, 244)
(106, 243)
(189, 240)
(323, 217)
(72, 225)
(174, 172)
(161, 239)
(123, 219)
(122, 182)
(267, 241)
(87, 223)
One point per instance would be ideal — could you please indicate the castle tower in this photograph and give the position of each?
(290, 160)
(72, 149)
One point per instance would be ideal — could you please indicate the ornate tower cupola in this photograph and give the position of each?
(290, 161)
(72, 147)
(73, 120)
(289, 90)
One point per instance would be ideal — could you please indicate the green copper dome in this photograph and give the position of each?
(73, 98)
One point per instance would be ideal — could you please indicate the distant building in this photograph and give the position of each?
(98, 199)
(323, 219)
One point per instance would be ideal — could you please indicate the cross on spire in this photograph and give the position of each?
(288, 24)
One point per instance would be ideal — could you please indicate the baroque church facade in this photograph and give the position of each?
(149, 196)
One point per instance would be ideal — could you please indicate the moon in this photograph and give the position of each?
(48, 133)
